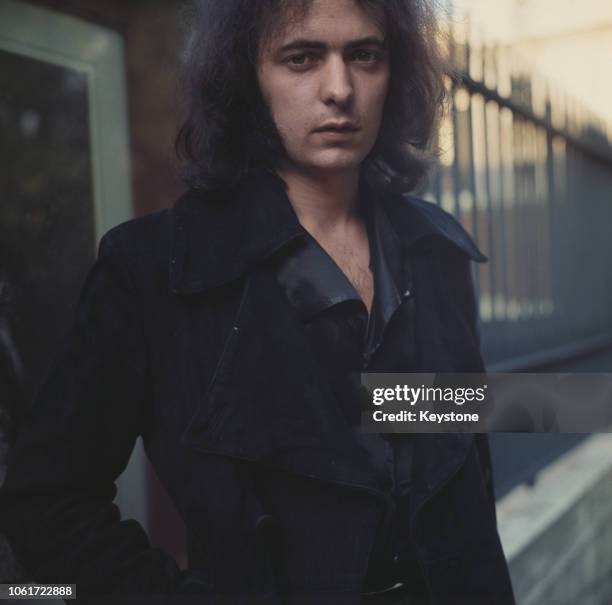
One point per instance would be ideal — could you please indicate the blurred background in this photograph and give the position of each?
(89, 107)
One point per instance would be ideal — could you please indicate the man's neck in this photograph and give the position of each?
(325, 204)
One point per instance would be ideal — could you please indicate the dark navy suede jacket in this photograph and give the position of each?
(184, 336)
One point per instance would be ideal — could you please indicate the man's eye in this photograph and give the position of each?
(366, 56)
(300, 60)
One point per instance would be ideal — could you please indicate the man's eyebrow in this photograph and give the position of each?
(367, 41)
(304, 43)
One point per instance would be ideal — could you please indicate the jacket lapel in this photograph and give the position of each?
(268, 402)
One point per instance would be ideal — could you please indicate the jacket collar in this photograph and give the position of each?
(218, 237)
(314, 282)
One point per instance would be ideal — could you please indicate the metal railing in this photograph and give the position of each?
(528, 171)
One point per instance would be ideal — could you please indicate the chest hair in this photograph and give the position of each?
(354, 260)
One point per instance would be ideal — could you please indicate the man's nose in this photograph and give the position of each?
(337, 85)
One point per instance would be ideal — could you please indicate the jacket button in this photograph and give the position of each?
(264, 520)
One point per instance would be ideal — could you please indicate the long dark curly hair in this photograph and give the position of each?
(229, 132)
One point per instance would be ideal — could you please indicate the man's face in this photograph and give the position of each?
(325, 79)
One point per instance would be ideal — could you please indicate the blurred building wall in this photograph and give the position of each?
(569, 43)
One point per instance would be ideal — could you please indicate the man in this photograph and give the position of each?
(230, 332)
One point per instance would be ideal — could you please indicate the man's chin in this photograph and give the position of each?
(338, 164)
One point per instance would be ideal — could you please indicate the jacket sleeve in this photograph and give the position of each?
(56, 504)
(461, 286)
(481, 440)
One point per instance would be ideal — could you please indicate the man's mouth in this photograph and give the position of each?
(339, 127)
